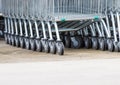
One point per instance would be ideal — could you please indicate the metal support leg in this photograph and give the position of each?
(25, 26)
(21, 30)
(6, 26)
(106, 29)
(12, 28)
(57, 31)
(93, 32)
(16, 27)
(50, 31)
(31, 31)
(86, 31)
(102, 30)
(108, 25)
(118, 24)
(9, 31)
(114, 29)
(37, 30)
(99, 31)
(44, 31)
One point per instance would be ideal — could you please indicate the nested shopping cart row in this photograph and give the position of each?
(51, 25)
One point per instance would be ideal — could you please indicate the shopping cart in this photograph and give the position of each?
(48, 25)
(113, 26)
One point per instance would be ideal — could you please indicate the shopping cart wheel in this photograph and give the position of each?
(38, 45)
(87, 42)
(95, 43)
(76, 42)
(9, 39)
(82, 42)
(27, 43)
(110, 45)
(116, 48)
(119, 46)
(6, 38)
(32, 44)
(102, 44)
(13, 40)
(45, 45)
(17, 42)
(52, 46)
(62, 37)
(67, 41)
(60, 47)
(22, 42)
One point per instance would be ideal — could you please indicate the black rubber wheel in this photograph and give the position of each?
(102, 44)
(13, 40)
(119, 46)
(95, 44)
(52, 47)
(45, 45)
(38, 45)
(110, 45)
(76, 42)
(116, 48)
(82, 42)
(17, 42)
(6, 38)
(60, 48)
(62, 37)
(87, 42)
(106, 45)
(27, 43)
(32, 44)
(9, 39)
(67, 41)
(22, 42)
